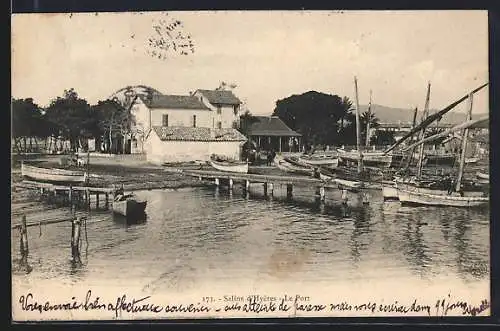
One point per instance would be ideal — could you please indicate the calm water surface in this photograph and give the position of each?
(206, 235)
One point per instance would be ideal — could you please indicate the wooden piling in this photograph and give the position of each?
(344, 196)
(97, 200)
(216, 181)
(289, 191)
(70, 195)
(106, 205)
(270, 188)
(24, 241)
(88, 198)
(265, 189)
(230, 183)
(247, 185)
(75, 240)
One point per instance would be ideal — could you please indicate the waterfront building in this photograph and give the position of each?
(270, 132)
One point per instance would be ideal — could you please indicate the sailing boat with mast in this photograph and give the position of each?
(368, 158)
(456, 195)
(430, 184)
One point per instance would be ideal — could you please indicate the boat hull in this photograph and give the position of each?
(448, 160)
(482, 176)
(424, 199)
(331, 162)
(228, 167)
(52, 175)
(286, 166)
(129, 208)
(390, 192)
(375, 159)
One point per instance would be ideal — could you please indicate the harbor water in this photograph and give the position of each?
(197, 238)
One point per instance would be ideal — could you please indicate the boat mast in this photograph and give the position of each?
(368, 121)
(414, 123)
(358, 128)
(422, 133)
(465, 137)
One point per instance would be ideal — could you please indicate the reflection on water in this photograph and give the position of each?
(208, 235)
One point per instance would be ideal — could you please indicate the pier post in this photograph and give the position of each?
(88, 198)
(289, 191)
(344, 197)
(70, 195)
(230, 183)
(247, 185)
(216, 181)
(270, 187)
(199, 178)
(265, 189)
(24, 241)
(97, 200)
(75, 240)
(366, 198)
(106, 203)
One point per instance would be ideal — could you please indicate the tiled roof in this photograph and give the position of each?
(220, 97)
(271, 126)
(197, 134)
(173, 102)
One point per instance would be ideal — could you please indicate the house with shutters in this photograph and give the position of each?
(181, 128)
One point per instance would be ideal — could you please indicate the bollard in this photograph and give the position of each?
(75, 240)
(289, 191)
(24, 241)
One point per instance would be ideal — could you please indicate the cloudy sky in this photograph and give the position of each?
(269, 55)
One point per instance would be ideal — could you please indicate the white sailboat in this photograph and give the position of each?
(458, 198)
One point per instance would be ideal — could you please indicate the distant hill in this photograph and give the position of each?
(394, 115)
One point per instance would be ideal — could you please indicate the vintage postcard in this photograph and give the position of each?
(250, 164)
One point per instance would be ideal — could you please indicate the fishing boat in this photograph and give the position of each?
(53, 174)
(227, 165)
(370, 158)
(457, 195)
(287, 165)
(439, 159)
(407, 197)
(472, 160)
(331, 161)
(128, 206)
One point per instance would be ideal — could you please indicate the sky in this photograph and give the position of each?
(269, 55)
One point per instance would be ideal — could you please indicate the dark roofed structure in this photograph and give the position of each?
(270, 132)
(271, 126)
(220, 97)
(173, 102)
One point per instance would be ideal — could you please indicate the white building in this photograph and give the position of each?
(174, 128)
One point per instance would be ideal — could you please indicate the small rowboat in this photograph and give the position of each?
(229, 165)
(472, 160)
(370, 158)
(390, 192)
(482, 175)
(128, 206)
(288, 165)
(407, 197)
(320, 160)
(53, 174)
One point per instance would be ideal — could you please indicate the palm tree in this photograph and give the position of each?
(346, 109)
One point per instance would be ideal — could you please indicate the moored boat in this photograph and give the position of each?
(331, 161)
(370, 158)
(229, 165)
(53, 174)
(129, 206)
(407, 197)
(482, 175)
(287, 165)
(390, 192)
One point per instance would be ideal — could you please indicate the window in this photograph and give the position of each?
(219, 125)
(194, 121)
(235, 109)
(165, 120)
(219, 110)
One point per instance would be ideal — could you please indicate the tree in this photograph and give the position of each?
(315, 115)
(27, 122)
(114, 123)
(71, 117)
(365, 118)
(246, 122)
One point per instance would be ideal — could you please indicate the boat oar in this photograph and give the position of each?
(430, 119)
(445, 133)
